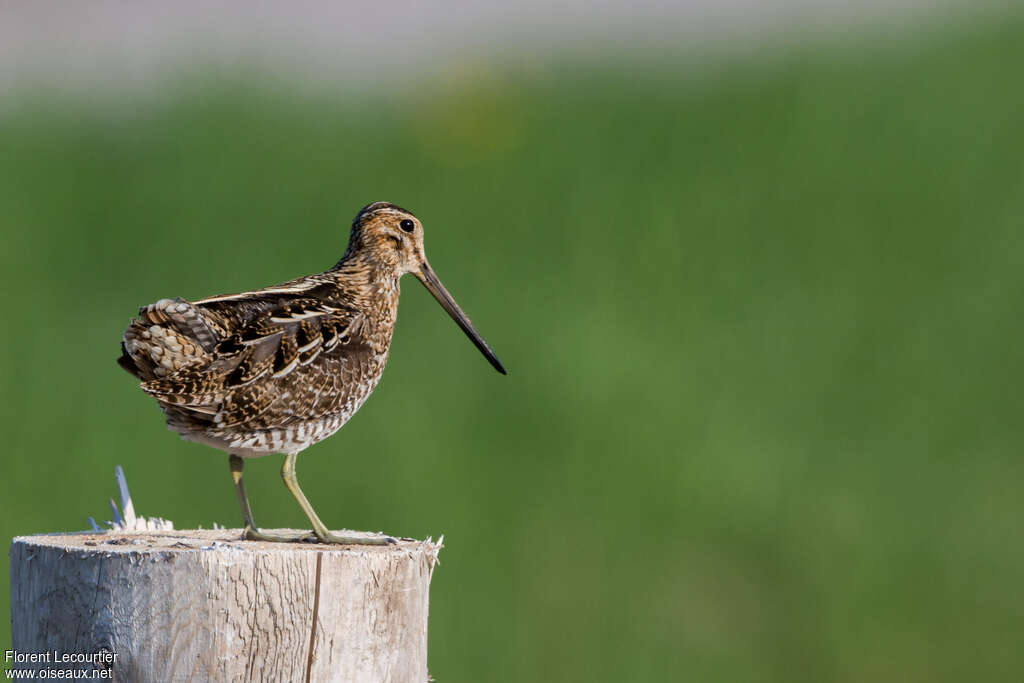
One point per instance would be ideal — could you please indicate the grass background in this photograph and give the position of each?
(762, 319)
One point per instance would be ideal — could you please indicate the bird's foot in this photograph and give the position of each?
(251, 534)
(328, 537)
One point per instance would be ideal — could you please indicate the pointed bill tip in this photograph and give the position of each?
(430, 280)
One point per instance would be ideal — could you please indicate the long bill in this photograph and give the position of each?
(426, 275)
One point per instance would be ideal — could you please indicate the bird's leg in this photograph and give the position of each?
(319, 528)
(251, 532)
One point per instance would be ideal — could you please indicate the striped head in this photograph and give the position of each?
(391, 237)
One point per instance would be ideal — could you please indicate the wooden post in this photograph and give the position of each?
(206, 606)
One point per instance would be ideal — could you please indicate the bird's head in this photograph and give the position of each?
(392, 237)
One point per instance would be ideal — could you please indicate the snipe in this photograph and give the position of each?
(278, 369)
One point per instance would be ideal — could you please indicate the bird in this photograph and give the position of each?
(278, 369)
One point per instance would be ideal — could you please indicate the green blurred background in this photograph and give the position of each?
(762, 318)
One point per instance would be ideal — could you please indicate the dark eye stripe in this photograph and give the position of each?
(407, 225)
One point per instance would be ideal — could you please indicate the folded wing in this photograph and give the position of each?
(223, 360)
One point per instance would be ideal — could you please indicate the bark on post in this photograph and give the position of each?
(205, 606)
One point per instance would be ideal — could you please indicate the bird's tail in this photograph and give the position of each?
(165, 337)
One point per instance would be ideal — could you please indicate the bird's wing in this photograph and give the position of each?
(262, 338)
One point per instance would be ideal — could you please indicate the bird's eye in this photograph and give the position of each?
(406, 225)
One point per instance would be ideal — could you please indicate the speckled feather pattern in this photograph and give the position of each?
(277, 369)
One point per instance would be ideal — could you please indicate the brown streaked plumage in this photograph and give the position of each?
(278, 369)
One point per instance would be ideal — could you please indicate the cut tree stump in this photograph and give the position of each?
(206, 606)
